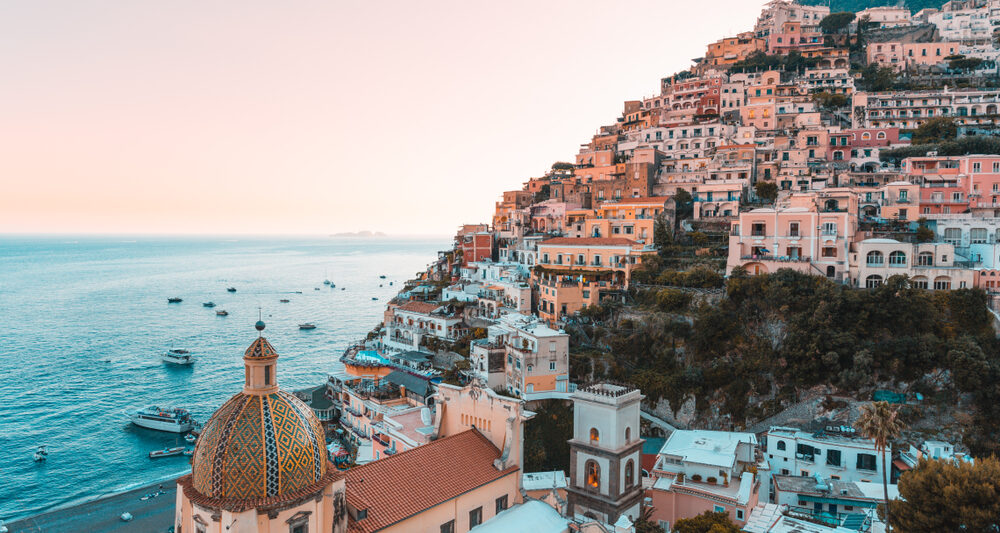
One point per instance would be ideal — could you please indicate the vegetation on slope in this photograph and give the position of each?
(859, 5)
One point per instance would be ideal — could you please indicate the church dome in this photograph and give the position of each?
(261, 444)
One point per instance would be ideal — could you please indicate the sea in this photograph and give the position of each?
(83, 321)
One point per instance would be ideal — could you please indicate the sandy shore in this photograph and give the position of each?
(154, 515)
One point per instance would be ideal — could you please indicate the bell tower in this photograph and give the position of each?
(605, 453)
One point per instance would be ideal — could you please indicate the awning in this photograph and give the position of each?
(898, 463)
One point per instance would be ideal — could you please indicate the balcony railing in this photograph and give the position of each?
(779, 258)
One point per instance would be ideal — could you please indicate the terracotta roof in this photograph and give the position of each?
(419, 307)
(400, 486)
(589, 241)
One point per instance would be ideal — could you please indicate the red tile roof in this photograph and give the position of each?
(419, 307)
(400, 486)
(589, 241)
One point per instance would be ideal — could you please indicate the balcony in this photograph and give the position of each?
(780, 259)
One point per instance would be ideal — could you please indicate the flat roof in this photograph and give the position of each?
(544, 480)
(716, 448)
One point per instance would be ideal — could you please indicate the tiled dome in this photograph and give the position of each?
(259, 446)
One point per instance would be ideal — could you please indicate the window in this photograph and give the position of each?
(897, 258)
(833, 457)
(629, 473)
(758, 229)
(739, 514)
(552, 365)
(780, 445)
(829, 252)
(593, 474)
(873, 281)
(595, 436)
(501, 503)
(475, 517)
(978, 236)
(793, 229)
(953, 236)
(448, 527)
(942, 283)
(977, 167)
(866, 461)
(628, 434)
(719, 509)
(299, 528)
(875, 258)
(267, 375)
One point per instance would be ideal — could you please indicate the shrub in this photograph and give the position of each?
(712, 480)
(696, 477)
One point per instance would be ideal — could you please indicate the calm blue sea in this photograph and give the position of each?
(83, 321)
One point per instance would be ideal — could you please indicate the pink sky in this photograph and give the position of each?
(314, 117)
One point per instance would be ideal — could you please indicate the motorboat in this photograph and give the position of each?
(173, 420)
(231, 289)
(374, 298)
(190, 438)
(189, 452)
(41, 454)
(208, 304)
(316, 289)
(382, 276)
(174, 300)
(222, 312)
(307, 326)
(284, 300)
(126, 517)
(326, 282)
(298, 292)
(166, 452)
(178, 357)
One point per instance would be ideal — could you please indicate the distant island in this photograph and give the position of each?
(362, 234)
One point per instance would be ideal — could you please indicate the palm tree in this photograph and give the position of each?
(881, 423)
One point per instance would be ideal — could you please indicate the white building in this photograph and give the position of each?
(535, 357)
(834, 456)
(929, 265)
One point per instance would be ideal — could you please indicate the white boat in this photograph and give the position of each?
(167, 452)
(174, 420)
(326, 282)
(190, 438)
(307, 326)
(178, 357)
(126, 517)
(41, 454)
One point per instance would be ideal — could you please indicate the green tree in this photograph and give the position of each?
(684, 204)
(836, 22)
(935, 130)
(876, 78)
(661, 234)
(767, 190)
(881, 423)
(546, 437)
(645, 524)
(965, 64)
(707, 522)
(562, 165)
(831, 101)
(924, 234)
(942, 496)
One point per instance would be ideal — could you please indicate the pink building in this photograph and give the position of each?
(902, 56)
(705, 471)
(593, 255)
(809, 232)
(794, 38)
(944, 186)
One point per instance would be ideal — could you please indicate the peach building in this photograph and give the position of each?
(631, 218)
(536, 356)
(563, 295)
(719, 198)
(792, 37)
(385, 416)
(615, 255)
(777, 12)
(705, 471)
(929, 265)
(729, 50)
(809, 232)
(407, 324)
(260, 463)
(897, 200)
(903, 56)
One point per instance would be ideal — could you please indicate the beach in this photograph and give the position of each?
(104, 514)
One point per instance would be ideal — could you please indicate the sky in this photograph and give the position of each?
(314, 117)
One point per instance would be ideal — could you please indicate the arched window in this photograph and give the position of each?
(875, 258)
(866, 136)
(629, 473)
(881, 135)
(897, 258)
(873, 281)
(781, 445)
(593, 475)
(595, 436)
(628, 434)
(942, 283)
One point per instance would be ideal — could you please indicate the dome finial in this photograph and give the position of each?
(259, 326)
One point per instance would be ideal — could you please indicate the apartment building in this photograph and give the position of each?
(902, 56)
(910, 109)
(537, 356)
(408, 324)
(700, 471)
(615, 255)
(835, 455)
(929, 265)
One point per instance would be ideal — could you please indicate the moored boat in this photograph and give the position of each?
(189, 452)
(190, 438)
(307, 325)
(173, 420)
(284, 300)
(166, 452)
(231, 289)
(174, 300)
(222, 312)
(208, 304)
(178, 357)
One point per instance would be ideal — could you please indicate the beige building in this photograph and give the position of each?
(928, 265)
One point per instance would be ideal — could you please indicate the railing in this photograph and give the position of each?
(781, 258)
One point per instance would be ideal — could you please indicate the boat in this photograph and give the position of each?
(174, 300)
(166, 452)
(382, 276)
(333, 285)
(190, 438)
(222, 312)
(208, 304)
(41, 454)
(284, 300)
(126, 517)
(298, 292)
(307, 326)
(173, 420)
(189, 452)
(178, 357)
(316, 289)
(343, 288)
(231, 289)
(326, 282)
(374, 298)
